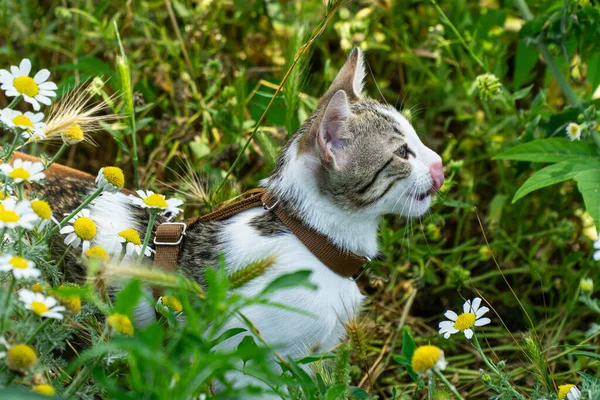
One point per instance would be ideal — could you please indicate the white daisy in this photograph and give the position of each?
(82, 230)
(465, 322)
(23, 171)
(17, 214)
(569, 392)
(19, 266)
(428, 359)
(34, 90)
(40, 304)
(110, 179)
(155, 201)
(596, 255)
(31, 123)
(573, 131)
(132, 242)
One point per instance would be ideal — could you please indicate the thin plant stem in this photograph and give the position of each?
(458, 35)
(303, 49)
(148, 234)
(12, 147)
(430, 386)
(57, 155)
(483, 356)
(38, 330)
(14, 102)
(449, 385)
(7, 301)
(562, 81)
(80, 379)
(68, 217)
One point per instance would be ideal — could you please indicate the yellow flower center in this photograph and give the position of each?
(18, 262)
(42, 209)
(3, 195)
(114, 176)
(22, 120)
(85, 228)
(44, 389)
(172, 302)
(74, 133)
(465, 321)
(71, 301)
(563, 390)
(19, 173)
(120, 323)
(573, 130)
(130, 235)
(8, 215)
(37, 287)
(20, 357)
(97, 253)
(156, 200)
(425, 357)
(587, 285)
(26, 85)
(39, 308)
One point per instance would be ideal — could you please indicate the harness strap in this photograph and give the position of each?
(169, 236)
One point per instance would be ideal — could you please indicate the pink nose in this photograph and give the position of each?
(437, 175)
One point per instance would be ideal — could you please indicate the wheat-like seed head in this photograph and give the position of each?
(74, 111)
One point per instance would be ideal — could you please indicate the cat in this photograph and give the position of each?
(352, 161)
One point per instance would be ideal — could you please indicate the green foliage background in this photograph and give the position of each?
(204, 71)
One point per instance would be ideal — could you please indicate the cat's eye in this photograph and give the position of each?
(402, 151)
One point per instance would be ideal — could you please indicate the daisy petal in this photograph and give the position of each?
(42, 76)
(467, 306)
(43, 99)
(482, 321)
(468, 333)
(481, 311)
(25, 66)
(597, 255)
(48, 86)
(475, 305)
(451, 315)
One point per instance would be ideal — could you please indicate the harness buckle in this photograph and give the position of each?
(365, 267)
(181, 235)
(269, 208)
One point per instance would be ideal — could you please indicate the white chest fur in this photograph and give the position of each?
(335, 300)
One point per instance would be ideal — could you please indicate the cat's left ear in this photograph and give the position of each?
(351, 78)
(333, 136)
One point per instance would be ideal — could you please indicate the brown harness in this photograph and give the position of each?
(169, 237)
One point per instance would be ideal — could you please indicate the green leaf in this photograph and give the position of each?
(247, 344)
(593, 70)
(591, 380)
(357, 393)
(128, 298)
(525, 60)
(335, 392)
(555, 173)
(226, 335)
(295, 279)
(587, 354)
(519, 94)
(588, 183)
(408, 348)
(550, 150)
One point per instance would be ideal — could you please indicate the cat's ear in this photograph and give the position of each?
(333, 136)
(351, 78)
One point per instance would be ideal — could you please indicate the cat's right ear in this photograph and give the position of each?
(333, 136)
(351, 78)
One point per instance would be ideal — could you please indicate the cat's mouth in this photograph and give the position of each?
(422, 196)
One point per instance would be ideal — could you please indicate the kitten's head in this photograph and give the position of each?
(365, 155)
